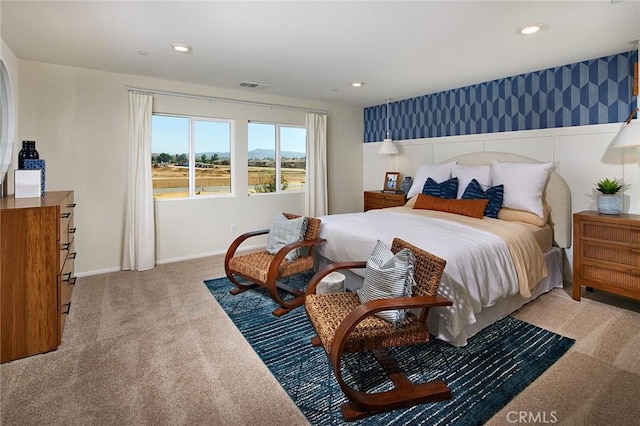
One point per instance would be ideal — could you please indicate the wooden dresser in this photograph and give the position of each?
(606, 253)
(380, 200)
(36, 272)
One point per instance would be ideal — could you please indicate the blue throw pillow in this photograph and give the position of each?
(495, 194)
(446, 189)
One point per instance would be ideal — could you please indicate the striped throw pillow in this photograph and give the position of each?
(446, 189)
(495, 194)
(387, 276)
(286, 231)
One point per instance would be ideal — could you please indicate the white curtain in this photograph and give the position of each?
(316, 193)
(139, 227)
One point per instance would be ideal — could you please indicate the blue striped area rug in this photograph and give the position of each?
(483, 376)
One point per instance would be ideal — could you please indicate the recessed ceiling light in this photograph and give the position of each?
(143, 52)
(530, 29)
(181, 47)
(357, 84)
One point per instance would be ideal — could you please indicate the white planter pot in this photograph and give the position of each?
(609, 204)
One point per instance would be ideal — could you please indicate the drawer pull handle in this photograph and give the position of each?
(71, 206)
(68, 305)
(69, 279)
(65, 215)
(65, 246)
(72, 230)
(73, 281)
(72, 256)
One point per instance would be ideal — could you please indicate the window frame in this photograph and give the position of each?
(278, 158)
(191, 156)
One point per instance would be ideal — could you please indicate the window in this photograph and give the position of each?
(277, 158)
(190, 156)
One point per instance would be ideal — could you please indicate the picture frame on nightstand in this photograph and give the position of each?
(391, 182)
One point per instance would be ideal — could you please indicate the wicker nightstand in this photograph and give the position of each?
(380, 200)
(606, 253)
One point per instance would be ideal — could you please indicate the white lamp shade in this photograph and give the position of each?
(388, 147)
(628, 135)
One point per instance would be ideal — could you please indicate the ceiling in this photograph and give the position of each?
(314, 50)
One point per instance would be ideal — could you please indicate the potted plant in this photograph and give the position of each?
(609, 200)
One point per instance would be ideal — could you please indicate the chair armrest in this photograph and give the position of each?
(323, 272)
(367, 309)
(279, 256)
(231, 251)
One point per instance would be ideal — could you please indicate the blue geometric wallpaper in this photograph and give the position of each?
(597, 91)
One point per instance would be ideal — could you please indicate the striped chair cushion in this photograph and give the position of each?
(387, 276)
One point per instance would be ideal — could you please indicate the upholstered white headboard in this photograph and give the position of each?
(556, 193)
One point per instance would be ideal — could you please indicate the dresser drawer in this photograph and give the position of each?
(614, 233)
(67, 281)
(66, 220)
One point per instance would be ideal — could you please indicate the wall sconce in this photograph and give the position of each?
(629, 134)
(629, 137)
(388, 147)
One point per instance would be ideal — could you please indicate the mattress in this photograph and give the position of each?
(499, 259)
(543, 236)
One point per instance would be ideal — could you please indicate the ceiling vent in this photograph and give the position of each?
(250, 85)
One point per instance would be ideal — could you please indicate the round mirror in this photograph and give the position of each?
(7, 122)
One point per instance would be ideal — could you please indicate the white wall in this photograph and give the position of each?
(79, 120)
(581, 155)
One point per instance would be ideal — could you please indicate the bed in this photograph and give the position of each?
(494, 266)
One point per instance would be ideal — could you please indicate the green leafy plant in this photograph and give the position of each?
(268, 182)
(609, 186)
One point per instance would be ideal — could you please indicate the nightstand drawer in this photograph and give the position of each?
(623, 281)
(381, 200)
(606, 253)
(614, 233)
(622, 255)
(378, 203)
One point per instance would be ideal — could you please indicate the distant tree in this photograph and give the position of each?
(203, 158)
(181, 159)
(163, 158)
(214, 158)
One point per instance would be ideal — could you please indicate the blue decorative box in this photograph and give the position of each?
(37, 165)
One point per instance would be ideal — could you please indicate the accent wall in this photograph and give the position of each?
(596, 91)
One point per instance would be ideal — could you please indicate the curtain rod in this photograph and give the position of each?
(218, 99)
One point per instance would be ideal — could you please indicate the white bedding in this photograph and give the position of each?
(477, 276)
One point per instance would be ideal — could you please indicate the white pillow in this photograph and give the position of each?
(437, 172)
(286, 231)
(388, 276)
(523, 183)
(466, 174)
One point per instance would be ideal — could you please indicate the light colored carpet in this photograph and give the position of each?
(155, 348)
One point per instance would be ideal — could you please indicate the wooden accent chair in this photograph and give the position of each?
(265, 269)
(344, 325)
